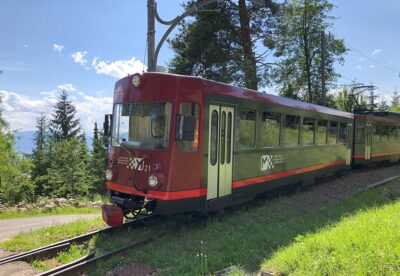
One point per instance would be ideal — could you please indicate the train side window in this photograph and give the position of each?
(270, 129)
(392, 130)
(376, 136)
(360, 134)
(189, 113)
(292, 124)
(342, 133)
(321, 132)
(332, 133)
(214, 138)
(308, 131)
(247, 129)
(385, 133)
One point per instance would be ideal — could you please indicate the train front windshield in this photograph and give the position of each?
(142, 125)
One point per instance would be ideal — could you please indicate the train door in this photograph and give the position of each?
(220, 151)
(349, 143)
(368, 141)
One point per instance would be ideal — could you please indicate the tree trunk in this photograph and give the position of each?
(250, 70)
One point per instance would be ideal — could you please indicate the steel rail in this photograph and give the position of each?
(81, 265)
(51, 250)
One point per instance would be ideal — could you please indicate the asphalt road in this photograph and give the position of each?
(11, 227)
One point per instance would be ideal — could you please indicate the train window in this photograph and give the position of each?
(321, 132)
(360, 133)
(376, 136)
(342, 133)
(393, 133)
(332, 133)
(308, 131)
(247, 128)
(142, 125)
(270, 129)
(187, 112)
(385, 134)
(229, 138)
(214, 138)
(292, 124)
(223, 133)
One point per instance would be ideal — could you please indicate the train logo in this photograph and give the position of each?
(269, 161)
(131, 163)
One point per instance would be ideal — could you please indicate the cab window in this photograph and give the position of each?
(187, 126)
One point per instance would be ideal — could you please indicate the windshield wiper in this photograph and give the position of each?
(122, 145)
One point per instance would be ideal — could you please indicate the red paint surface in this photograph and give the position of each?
(235, 184)
(246, 182)
(361, 156)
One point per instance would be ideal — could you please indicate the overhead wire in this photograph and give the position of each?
(373, 60)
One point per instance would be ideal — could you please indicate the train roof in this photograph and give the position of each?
(230, 90)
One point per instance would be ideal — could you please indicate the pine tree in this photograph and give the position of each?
(40, 155)
(221, 46)
(99, 160)
(395, 107)
(67, 175)
(64, 125)
(298, 48)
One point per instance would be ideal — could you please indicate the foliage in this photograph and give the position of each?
(344, 102)
(64, 125)
(15, 183)
(298, 49)
(98, 160)
(68, 175)
(40, 155)
(221, 45)
(40, 212)
(3, 123)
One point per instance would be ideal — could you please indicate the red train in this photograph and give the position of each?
(181, 143)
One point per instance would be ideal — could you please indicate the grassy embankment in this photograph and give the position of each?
(65, 210)
(256, 234)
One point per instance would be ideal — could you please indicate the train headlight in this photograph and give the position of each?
(153, 181)
(136, 80)
(109, 174)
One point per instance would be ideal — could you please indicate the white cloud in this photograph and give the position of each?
(119, 68)
(67, 87)
(359, 67)
(58, 48)
(21, 111)
(376, 51)
(371, 66)
(80, 57)
(26, 46)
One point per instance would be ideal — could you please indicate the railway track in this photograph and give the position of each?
(50, 251)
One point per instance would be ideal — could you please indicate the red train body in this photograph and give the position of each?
(182, 143)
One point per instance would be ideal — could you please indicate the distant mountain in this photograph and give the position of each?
(24, 141)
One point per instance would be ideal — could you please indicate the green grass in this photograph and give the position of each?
(245, 237)
(366, 243)
(248, 237)
(45, 236)
(67, 210)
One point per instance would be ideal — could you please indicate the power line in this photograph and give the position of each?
(373, 60)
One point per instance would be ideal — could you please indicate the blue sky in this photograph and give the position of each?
(85, 46)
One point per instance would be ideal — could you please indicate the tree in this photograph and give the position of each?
(67, 175)
(344, 102)
(98, 161)
(40, 155)
(221, 46)
(15, 182)
(3, 123)
(298, 49)
(64, 125)
(395, 107)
